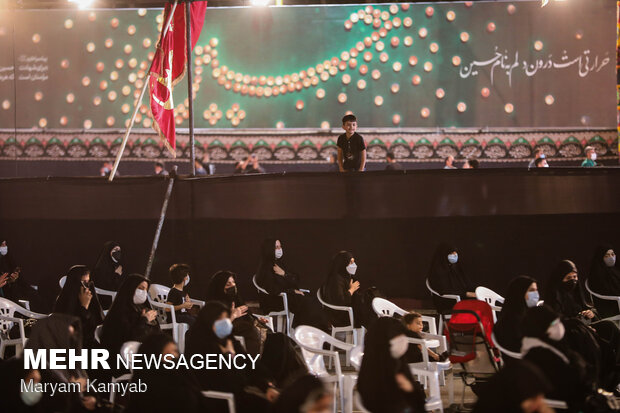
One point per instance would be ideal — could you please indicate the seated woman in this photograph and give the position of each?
(272, 277)
(212, 334)
(565, 296)
(342, 289)
(522, 294)
(179, 274)
(543, 346)
(78, 298)
(385, 383)
(167, 390)
(604, 279)
(130, 318)
(446, 276)
(13, 285)
(223, 287)
(518, 388)
(108, 271)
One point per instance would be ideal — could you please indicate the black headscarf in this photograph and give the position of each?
(335, 290)
(536, 322)
(103, 273)
(514, 384)
(267, 257)
(53, 333)
(6, 262)
(569, 303)
(300, 394)
(201, 338)
(603, 279)
(216, 289)
(68, 301)
(508, 328)
(377, 378)
(447, 278)
(339, 265)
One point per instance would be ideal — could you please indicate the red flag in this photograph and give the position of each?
(169, 66)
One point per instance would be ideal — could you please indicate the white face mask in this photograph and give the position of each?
(453, 258)
(30, 398)
(4, 250)
(186, 281)
(546, 165)
(279, 253)
(399, 346)
(556, 330)
(139, 297)
(532, 299)
(609, 261)
(351, 268)
(593, 156)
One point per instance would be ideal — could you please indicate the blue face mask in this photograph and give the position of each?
(532, 299)
(223, 328)
(453, 258)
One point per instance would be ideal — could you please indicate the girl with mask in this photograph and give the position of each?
(599, 345)
(273, 277)
(543, 346)
(342, 289)
(177, 296)
(522, 294)
(212, 334)
(130, 318)
(223, 287)
(78, 298)
(167, 390)
(385, 382)
(108, 272)
(446, 276)
(604, 279)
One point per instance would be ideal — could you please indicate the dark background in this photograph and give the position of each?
(505, 223)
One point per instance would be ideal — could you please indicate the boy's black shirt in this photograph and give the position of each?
(351, 151)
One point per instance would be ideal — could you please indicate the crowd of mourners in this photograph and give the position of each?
(570, 350)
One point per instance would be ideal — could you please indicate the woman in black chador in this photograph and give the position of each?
(446, 276)
(385, 382)
(78, 298)
(275, 279)
(604, 279)
(108, 271)
(342, 289)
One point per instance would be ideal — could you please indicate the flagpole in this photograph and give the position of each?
(137, 107)
(190, 91)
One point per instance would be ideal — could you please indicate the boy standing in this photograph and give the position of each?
(351, 147)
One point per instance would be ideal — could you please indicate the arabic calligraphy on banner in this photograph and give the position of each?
(507, 62)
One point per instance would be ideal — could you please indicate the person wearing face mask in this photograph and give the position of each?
(130, 318)
(108, 271)
(598, 345)
(342, 288)
(13, 285)
(273, 277)
(223, 287)
(522, 293)
(446, 276)
(590, 160)
(78, 298)
(543, 346)
(14, 400)
(180, 276)
(166, 390)
(212, 334)
(604, 279)
(385, 383)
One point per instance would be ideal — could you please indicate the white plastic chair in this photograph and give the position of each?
(491, 298)
(7, 320)
(431, 378)
(98, 331)
(127, 350)
(158, 295)
(311, 341)
(557, 404)
(505, 351)
(98, 291)
(616, 318)
(229, 397)
(351, 333)
(386, 308)
(456, 298)
(284, 318)
(356, 355)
